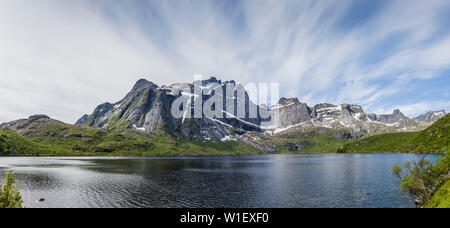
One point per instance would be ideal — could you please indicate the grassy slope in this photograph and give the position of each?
(434, 139)
(54, 138)
(441, 199)
(316, 143)
(59, 139)
(69, 140)
(11, 143)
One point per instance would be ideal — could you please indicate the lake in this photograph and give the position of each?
(305, 180)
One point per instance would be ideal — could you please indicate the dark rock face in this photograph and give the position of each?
(147, 107)
(36, 117)
(82, 120)
(29, 126)
(297, 146)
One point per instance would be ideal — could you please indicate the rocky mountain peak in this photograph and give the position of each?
(288, 101)
(37, 117)
(30, 125)
(352, 108)
(397, 112)
(209, 80)
(144, 84)
(147, 107)
(82, 119)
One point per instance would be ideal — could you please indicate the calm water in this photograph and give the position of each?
(323, 180)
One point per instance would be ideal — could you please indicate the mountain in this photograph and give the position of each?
(434, 139)
(147, 107)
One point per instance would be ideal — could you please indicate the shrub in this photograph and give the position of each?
(9, 193)
(422, 178)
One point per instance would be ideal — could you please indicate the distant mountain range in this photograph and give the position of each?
(147, 107)
(142, 124)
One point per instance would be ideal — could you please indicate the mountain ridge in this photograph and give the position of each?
(147, 107)
(293, 126)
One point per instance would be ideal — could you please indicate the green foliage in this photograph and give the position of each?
(423, 178)
(315, 142)
(441, 199)
(14, 144)
(54, 138)
(223, 148)
(60, 139)
(9, 194)
(389, 142)
(434, 139)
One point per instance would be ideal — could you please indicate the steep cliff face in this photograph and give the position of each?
(293, 114)
(148, 107)
(289, 112)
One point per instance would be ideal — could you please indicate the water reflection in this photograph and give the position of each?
(323, 180)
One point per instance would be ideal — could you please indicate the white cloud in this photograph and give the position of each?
(63, 58)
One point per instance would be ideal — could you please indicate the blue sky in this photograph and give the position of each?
(62, 58)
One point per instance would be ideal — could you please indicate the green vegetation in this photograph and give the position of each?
(14, 144)
(441, 199)
(389, 142)
(208, 148)
(434, 139)
(424, 179)
(308, 141)
(59, 139)
(46, 137)
(9, 193)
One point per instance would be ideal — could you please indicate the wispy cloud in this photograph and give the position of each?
(63, 58)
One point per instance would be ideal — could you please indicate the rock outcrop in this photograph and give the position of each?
(30, 126)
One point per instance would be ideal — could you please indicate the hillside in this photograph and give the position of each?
(42, 136)
(441, 199)
(434, 139)
(309, 140)
(14, 144)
